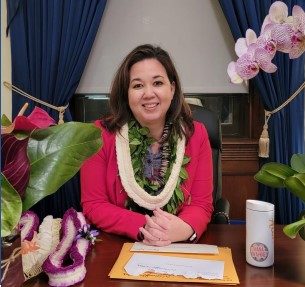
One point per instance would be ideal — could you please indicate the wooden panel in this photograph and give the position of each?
(239, 164)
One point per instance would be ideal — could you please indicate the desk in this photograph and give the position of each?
(287, 271)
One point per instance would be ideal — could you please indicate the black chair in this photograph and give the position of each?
(212, 124)
(87, 108)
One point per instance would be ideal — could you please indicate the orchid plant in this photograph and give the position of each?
(38, 157)
(279, 33)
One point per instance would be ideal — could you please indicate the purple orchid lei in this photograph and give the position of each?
(75, 243)
(28, 224)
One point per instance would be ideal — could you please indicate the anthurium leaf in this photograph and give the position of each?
(293, 229)
(298, 162)
(5, 122)
(16, 165)
(296, 184)
(11, 207)
(273, 174)
(56, 154)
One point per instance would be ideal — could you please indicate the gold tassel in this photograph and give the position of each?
(61, 115)
(263, 143)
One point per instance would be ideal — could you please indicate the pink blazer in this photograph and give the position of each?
(103, 196)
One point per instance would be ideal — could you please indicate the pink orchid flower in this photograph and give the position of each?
(278, 14)
(298, 37)
(279, 32)
(254, 54)
(277, 27)
(242, 44)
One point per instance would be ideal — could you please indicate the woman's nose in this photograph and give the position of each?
(149, 91)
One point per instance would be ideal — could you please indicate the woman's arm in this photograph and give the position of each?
(99, 201)
(197, 211)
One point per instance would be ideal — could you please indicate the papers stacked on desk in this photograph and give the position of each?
(198, 263)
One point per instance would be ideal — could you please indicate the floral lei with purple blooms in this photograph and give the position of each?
(139, 142)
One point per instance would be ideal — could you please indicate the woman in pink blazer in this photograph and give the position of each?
(152, 179)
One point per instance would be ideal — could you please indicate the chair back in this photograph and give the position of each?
(212, 124)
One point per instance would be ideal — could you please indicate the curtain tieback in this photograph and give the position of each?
(61, 109)
(263, 144)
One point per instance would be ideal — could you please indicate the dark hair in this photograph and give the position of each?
(178, 114)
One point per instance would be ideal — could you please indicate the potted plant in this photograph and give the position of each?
(38, 157)
(293, 178)
(286, 34)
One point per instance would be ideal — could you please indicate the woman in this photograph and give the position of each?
(152, 179)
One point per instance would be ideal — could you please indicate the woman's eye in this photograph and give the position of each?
(137, 86)
(158, 83)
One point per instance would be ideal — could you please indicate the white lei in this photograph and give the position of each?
(132, 188)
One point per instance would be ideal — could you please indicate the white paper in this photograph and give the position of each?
(140, 263)
(177, 248)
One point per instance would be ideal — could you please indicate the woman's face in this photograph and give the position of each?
(150, 92)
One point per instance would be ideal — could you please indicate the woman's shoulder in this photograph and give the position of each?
(106, 134)
(199, 130)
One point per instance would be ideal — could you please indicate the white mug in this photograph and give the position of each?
(259, 233)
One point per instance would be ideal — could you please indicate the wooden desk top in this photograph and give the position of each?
(287, 271)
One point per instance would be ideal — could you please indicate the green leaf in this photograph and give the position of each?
(143, 131)
(131, 124)
(5, 122)
(186, 160)
(293, 229)
(55, 155)
(302, 230)
(296, 184)
(183, 173)
(169, 208)
(11, 207)
(135, 142)
(298, 162)
(180, 194)
(273, 174)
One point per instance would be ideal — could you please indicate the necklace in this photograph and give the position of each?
(131, 147)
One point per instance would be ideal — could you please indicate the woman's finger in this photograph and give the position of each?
(147, 234)
(162, 221)
(159, 232)
(157, 243)
(159, 211)
(151, 223)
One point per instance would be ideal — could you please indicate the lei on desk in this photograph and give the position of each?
(132, 144)
(57, 247)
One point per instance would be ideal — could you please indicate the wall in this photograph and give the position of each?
(195, 32)
(6, 95)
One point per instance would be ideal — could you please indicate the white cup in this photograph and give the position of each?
(259, 233)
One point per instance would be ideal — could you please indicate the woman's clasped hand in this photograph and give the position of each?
(164, 228)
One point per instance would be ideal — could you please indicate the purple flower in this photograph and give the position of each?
(87, 233)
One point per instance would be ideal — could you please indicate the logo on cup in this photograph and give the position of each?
(259, 251)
